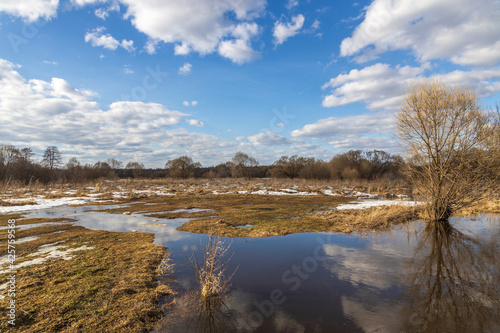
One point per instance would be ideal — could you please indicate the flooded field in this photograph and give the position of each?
(409, 279)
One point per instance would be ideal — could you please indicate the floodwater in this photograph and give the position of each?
(411, 279)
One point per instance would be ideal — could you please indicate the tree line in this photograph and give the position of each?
(19, 164)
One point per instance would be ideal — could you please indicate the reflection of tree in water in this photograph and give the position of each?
(453, 283)
(192, 313)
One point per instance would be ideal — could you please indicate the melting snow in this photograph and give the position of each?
(46, 252)
(363, 204)
(42, 204)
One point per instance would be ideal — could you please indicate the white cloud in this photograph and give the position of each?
(269, 139)
(50, 62)
(315, 25)
(192, 103)
(97, 38)
(197, 25)
(127, 70)
(31, 10)
(195, 122)
(82, 3)
(103, 13)
(239, 50)
(56, 112)
(128, 45)
(185, 69)
(381, 86)
(353, 126)
(292, 3)
(182, 49)
(463, 31)
(282, 31)
(151, 46)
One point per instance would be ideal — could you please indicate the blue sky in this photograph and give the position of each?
(153, 80)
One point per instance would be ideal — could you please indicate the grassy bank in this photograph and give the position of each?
(232, 215)
(109, 284)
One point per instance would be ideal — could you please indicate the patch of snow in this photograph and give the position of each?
(26, 239)
(330, 193)
(46, 252)
(267, 192)
(34, 225)
(363, 204)
(42, 204)
(244, 226)
(288, 190)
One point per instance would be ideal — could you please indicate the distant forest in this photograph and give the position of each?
(18, 164)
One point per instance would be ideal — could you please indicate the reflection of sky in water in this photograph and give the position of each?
(329, 282)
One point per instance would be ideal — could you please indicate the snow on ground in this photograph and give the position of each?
(43, 203)
(26, 239)
(267, 192)
(363, 204)
(44, 253)
(329, 192)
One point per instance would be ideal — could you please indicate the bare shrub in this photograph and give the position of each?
(210, 270)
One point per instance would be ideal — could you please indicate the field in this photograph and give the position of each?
(73, 279)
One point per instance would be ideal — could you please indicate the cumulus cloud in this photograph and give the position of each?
(282, 31)
(381, 86)
(373, 123)
(97, 38)
(103, 12)
(195, 122)
(30, 10)
(292, 3)
(49, 112)
(188, 103)
(197, 25)
(151, 46)
(269, 139)
(185, 69)
(463, 31)
(239, 50)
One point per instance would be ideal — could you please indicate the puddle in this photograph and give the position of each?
(244, 226)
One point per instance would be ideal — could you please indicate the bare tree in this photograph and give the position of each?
(447, 138)
(182, 167)
(52, 157)
(114, 163)
(243, 165)
(136, 167)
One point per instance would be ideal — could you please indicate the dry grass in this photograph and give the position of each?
(17, 202)
(375, 218)
(140, 188)
(110, 288)
(210, 269)
(485, 206)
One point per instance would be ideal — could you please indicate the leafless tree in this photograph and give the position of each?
(182, 167)
(243, 165)
(136, 167)
(52, 157)
(452, 158)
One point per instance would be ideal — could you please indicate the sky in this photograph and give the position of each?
(152, 80)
